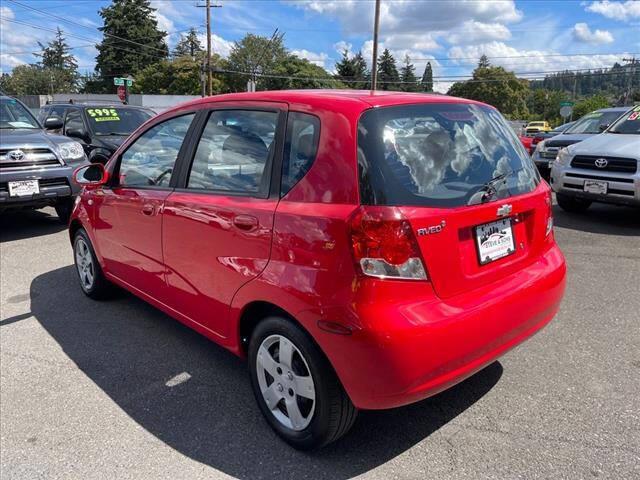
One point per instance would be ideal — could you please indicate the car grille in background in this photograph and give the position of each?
(559, 143)
(43, 182)
(33, 158)
(614, 164)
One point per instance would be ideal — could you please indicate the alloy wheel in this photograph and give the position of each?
(84, 264)
(286, 383)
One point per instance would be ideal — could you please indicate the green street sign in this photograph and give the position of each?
(122, 81)
(566, 104)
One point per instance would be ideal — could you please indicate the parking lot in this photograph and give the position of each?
(119, 390)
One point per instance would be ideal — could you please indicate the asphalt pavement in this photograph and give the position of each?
(117, 389)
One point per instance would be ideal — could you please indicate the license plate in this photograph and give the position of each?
(23, 188)
(594, 186)
(495, 240)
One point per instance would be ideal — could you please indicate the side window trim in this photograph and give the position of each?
(274, 162)
(183, 148)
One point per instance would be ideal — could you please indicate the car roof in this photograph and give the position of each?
(613, 109)
(94, 105)
(364, 98)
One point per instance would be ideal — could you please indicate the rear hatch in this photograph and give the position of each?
(461, 178)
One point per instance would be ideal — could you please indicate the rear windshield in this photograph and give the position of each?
(591, 122)
(116, 121)
(440, 155)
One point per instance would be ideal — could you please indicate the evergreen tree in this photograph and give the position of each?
(408, 76)
(131, 41)
(188, 44)
(388, 76)
(484, 62)
(58, 65)
(427, 79)
(346, 69)
(361, 71)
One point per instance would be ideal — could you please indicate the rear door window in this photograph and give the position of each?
(440, 155)
(235, 152)
(300, 148)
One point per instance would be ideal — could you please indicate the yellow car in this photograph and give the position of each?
(537, 127)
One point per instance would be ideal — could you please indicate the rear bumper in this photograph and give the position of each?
(411, 348)
(55, 185)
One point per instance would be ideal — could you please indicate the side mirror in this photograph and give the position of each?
(80, 133)
(53, 123)
(603, 126)
(94, 174)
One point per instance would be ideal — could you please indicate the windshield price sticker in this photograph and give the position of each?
(104, 114)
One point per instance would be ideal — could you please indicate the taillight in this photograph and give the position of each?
(549, 200)
(384, 245)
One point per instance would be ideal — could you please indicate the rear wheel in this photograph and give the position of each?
(92, 280)
(295, 386)
(572, 204)
(63, 209)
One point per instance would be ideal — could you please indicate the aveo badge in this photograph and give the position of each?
(432, 229)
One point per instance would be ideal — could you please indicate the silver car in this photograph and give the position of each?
(604, 168)
(586, 127)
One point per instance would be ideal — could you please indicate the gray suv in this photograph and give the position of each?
(35, 167)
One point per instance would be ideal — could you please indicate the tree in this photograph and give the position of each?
(590, 104)
(32, 80)
(61, 65)
(188, 44)
(362, 72)
(484, 62)
(131, 41)
(408, 79)
(178, 76)
(495, 86)
(427, 79)
(388, 75)
(254, 55)
(353, 70)
(308, 75)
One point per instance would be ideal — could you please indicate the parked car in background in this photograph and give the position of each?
(587, 126)
(537, 127)
(362, 250)
(100, 127)
(35, 167)
(603, 168)
(527, 142)
(544, 135)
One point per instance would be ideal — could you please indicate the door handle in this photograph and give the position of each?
(148, 209)
(245, 222)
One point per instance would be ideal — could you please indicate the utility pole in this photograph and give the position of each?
(374, 61)
(633, 62)
(208, 72)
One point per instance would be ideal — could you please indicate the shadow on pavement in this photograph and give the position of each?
(18, 225)
(600, 218)
(130, 350)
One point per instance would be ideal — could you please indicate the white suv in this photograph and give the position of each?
(604, 168)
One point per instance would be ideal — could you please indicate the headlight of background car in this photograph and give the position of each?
(71, 151)
(563, 156)
(540, 146)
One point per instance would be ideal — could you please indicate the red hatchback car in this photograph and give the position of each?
(362, 250)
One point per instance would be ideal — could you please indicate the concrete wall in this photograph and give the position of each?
(158, 103)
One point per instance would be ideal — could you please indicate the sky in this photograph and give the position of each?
(530, 37)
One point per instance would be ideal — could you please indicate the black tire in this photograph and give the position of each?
(333, 413)
(572, 204)
(63, 209)
(100, 288)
